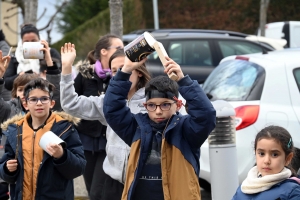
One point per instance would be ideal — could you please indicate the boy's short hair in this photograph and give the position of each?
(22, 80)
(161, 87)
(41, 84)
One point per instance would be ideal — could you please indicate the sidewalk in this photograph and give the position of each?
(79, 189)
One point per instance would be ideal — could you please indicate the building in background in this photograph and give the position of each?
(11, 35)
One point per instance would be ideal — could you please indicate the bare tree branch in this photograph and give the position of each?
(6, 24)
(45, 9)
(54, 15)
(7, 17)
(14, 7)
(19, 3)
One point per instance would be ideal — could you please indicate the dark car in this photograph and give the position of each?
(198, 52)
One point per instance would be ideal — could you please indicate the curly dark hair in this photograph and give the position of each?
(39, 83)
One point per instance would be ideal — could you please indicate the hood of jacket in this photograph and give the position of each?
(18, 117)
(85, 69)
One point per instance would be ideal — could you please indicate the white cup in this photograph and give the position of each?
(32, 50)
(50, 137)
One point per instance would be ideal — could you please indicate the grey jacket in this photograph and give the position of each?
(4, 47)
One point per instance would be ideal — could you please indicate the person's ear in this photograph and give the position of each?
(178, 104)
(52, 104)
(103, 52)
(289, 158)
(139, 74)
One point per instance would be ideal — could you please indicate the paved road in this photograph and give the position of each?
(80, 191)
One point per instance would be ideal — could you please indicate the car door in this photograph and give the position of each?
(194, 56)
(231, 47)
(294, 85)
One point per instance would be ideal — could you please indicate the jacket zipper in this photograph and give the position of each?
(34, 133)
(42, 161)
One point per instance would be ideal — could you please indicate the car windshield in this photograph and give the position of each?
(233, 80)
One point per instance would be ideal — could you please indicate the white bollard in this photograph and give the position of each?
(222, 153)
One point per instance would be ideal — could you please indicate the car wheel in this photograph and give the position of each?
(204, 185)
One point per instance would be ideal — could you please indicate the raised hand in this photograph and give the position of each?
(172, 66)
(68, 55)
(55, 150)
(4, 61)
(46, 50)
(129, 66)
(12, 165)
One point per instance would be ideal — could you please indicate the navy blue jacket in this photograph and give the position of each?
(55, 177)
(181, 140)
(286, 190)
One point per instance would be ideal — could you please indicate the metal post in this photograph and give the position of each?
(222, 153)
(155, 14)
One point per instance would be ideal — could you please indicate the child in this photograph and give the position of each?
(37, 174)
(92, 80)
(14, 105)
(91, 108)
(165, 145)
(271, 178)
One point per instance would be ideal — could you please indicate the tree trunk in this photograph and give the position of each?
(263, 16)
(30, 14)
(116, 17)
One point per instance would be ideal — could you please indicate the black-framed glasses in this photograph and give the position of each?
(34, 100)
(164, 106)
(115, 47)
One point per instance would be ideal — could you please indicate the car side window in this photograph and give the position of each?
(297, 77)
(230, 47)
(191, 52)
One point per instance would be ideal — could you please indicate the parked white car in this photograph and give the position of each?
(264, 89)
(288, 30)
(277, 44)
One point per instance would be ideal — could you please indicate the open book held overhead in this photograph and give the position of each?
(143, 46)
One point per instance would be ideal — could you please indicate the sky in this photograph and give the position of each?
(50, 6)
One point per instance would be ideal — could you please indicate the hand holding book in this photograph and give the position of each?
(143, 46)
(162, 54)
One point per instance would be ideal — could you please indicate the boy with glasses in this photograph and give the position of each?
(37, 174)
(165, 145)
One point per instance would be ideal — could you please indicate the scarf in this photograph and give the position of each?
(252, 184)
(102, 73)
(26, 64)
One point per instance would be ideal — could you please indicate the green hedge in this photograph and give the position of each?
(85, 36)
